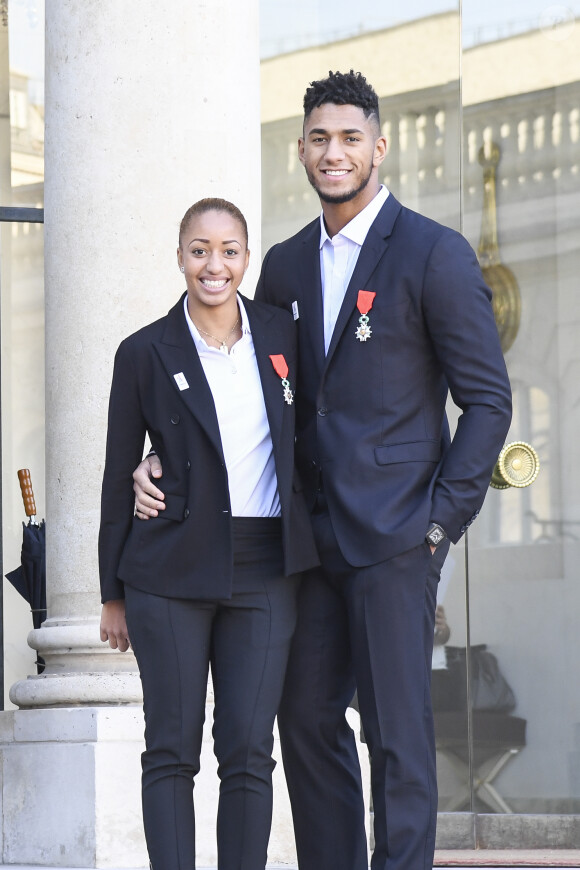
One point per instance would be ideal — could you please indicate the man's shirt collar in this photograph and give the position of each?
(357, 229)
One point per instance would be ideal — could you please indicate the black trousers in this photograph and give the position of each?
(245, 640)
(369, 628)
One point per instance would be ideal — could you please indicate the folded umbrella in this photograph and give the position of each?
(29, 579)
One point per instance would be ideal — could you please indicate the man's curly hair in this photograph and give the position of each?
(342, 89)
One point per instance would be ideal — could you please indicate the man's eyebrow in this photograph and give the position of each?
(319, 130)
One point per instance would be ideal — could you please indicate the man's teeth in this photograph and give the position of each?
(336, 171)
(214, 284)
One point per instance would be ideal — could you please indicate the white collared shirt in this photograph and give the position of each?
(235, 384)
(338, 256)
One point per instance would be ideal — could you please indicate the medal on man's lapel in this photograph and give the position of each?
(281, 369)
(364, 304)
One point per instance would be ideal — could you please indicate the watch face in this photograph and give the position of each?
(436, 535)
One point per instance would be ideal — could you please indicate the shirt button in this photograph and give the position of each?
(175, 419)
(322, 412)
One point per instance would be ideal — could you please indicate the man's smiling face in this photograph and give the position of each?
(340, 151)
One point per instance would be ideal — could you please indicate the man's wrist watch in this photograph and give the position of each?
(435, 535)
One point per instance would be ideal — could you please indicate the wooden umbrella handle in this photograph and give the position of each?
(27, 493)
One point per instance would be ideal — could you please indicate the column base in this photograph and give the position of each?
(79, 668)
(71, 787)
(77, 689)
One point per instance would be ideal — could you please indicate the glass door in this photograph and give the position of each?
(521, 211)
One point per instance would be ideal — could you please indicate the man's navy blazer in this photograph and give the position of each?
(371, 417)
(187, 551)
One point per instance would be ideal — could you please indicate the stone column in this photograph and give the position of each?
(141, 120)
(149, 106)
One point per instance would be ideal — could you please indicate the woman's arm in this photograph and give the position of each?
(114, 625)
(125, 440)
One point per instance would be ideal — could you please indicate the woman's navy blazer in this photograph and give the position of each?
(186, 552)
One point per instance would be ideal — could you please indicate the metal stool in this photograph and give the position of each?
(497, 737)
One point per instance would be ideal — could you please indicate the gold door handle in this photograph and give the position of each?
(518, 465)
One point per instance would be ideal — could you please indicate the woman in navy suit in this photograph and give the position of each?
(212, 581)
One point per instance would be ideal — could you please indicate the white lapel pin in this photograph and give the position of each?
(181, 381)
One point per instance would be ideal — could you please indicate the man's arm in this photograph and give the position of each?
(459, 317)
(149, 500)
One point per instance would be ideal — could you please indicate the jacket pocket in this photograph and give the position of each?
(409, 451)
(174, 508)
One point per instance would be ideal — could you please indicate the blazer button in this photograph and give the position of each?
(175, 419)
(322, 412)
(187, 465)
(185, 513)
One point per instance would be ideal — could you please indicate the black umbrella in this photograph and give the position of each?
(29, 579)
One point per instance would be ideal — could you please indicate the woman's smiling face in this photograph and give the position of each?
(214, 255)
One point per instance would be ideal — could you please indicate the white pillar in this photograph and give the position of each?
(149, 106)
(146, 111)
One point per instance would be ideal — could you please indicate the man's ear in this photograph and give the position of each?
(301, 150)
(381, 149)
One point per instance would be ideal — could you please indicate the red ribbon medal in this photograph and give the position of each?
(281, 369)
(364, 304)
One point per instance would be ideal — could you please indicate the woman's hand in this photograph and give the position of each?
(114, 625)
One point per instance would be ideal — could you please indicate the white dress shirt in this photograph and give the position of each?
(338, 256)
(235, 384)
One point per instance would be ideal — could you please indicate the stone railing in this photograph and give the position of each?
(538, 135)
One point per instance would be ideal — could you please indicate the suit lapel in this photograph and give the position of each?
(372, 252)
(267, 341)
(311, 319)
(179, 356)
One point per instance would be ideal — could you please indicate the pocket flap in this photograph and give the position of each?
(174, 508)
(409, 451)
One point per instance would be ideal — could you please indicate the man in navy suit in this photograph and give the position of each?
(392, 315)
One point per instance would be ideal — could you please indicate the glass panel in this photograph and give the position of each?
(521, 94)
(22, 294)
(411, 56)
(22, 298)
(289, 25)
(22, 83)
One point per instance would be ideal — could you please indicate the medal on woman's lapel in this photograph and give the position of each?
(281, 369)
(364, 304)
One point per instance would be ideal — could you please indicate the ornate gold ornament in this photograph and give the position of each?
(517, 465)
(506, 299)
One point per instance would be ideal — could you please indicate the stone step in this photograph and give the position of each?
(541, 859)
(458, 859)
